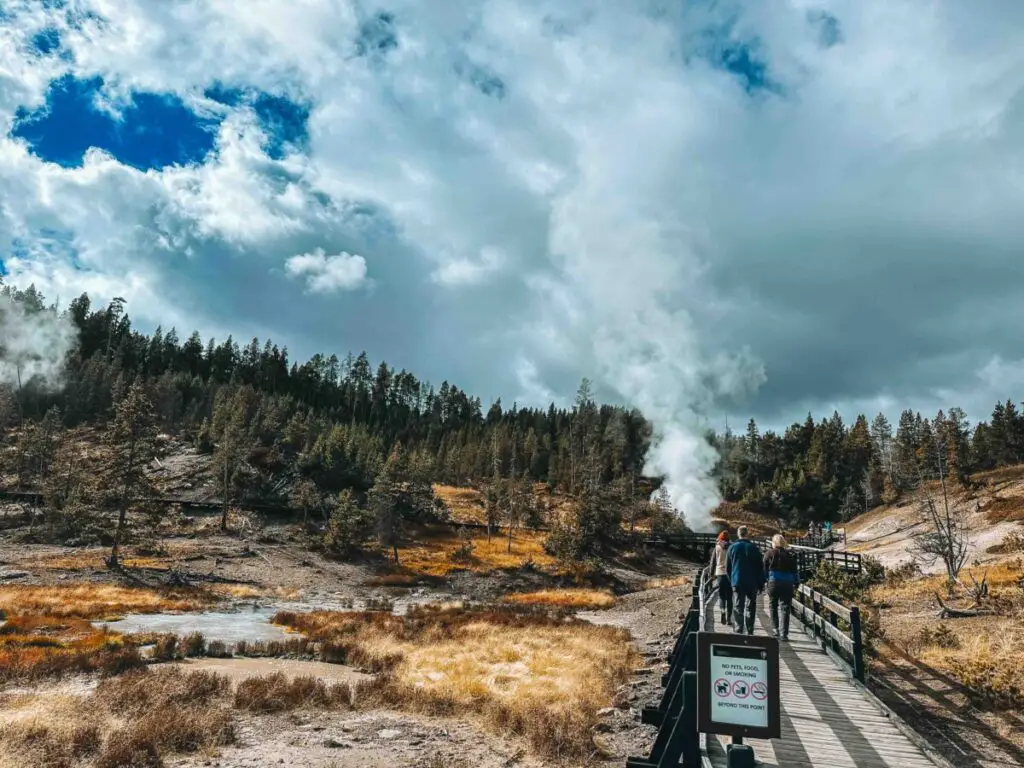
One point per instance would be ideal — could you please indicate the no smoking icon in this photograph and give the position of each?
(760, 691)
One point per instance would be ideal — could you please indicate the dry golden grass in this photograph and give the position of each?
(465, 504)
(37, 647)
(48, 633)
(246, 591)
(87, 559)
(564, 598)
(534, 674)
(127, 722)
(1005, 509)
(1002, 575)
(276, 693)
(667, 581)
(432, 554)
(99, 601)
(983, 653)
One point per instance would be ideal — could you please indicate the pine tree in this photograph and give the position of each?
(384, 502)
(132, 442)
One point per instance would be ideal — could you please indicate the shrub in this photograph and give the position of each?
(275, 693)
(129, 749)
(166, 648)
(464, 552)
(195, 644)
(348, 526)
(902, 573)
(120, 661)
(218, 650)
(141, 691)
(85, 741)
(1013, 542)
(940, 637)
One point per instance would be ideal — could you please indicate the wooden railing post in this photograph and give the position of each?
(858, 646)
(834, 621)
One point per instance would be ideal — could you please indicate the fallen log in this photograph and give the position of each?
(946, 612)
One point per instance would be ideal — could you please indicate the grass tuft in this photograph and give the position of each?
(276, 693)
(564, 598)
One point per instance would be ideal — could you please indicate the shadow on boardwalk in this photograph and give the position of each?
(945, 713)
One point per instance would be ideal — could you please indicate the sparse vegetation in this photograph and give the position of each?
(564, 598)
(533, 673)
(99, 601)
(126, 722)
(431, 554)
(276, 693)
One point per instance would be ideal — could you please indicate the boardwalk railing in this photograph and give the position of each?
(836, 626)
(699, 546)
(678, 742)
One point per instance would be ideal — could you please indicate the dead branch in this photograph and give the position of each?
(946, 612)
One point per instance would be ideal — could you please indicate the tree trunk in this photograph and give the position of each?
(224, 511)
(115, 549)
(510, 526)
(632, 502)
(122, 516)
(394, 548)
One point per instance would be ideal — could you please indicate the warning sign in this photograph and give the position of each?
(738, 690)
(738, 673)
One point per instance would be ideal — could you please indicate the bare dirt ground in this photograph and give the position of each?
(274, 567)
(994, 507)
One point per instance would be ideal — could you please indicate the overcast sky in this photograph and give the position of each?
(757, 208)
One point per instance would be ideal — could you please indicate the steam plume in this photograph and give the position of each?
(630, 281)
(33, 344)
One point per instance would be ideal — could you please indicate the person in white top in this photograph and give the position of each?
(720, 570)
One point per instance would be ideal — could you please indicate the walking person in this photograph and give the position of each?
(720, 569)
(783, 578)
(746, 572)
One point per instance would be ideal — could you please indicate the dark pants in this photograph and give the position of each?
(746, 607)
(781, 595)
(724, 595)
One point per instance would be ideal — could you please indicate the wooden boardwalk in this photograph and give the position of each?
(827, 721)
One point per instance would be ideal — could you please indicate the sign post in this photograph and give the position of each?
(738, 685)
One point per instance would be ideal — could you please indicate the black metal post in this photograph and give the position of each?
(858, 646)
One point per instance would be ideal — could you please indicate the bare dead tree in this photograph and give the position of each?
(947, 535)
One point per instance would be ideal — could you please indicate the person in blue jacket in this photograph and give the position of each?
(783, 578)
(746, 571)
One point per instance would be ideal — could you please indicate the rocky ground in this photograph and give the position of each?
(276, 566)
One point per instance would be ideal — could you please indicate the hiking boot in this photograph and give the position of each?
(725, 618)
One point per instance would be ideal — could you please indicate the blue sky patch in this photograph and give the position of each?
(46, 41)
(827, 25)
(741, 60)
(156, 130)
(284, 121)
(377, 35)
(485, 81)
(740, 56)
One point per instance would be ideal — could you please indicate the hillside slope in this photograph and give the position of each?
(994, 506)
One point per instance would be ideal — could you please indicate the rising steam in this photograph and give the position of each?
(33, 345)
(631, 285)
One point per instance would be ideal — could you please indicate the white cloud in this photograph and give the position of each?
(625, 209)
(328, 274)
(464, 271)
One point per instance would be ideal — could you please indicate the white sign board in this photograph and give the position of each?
(739, 685)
